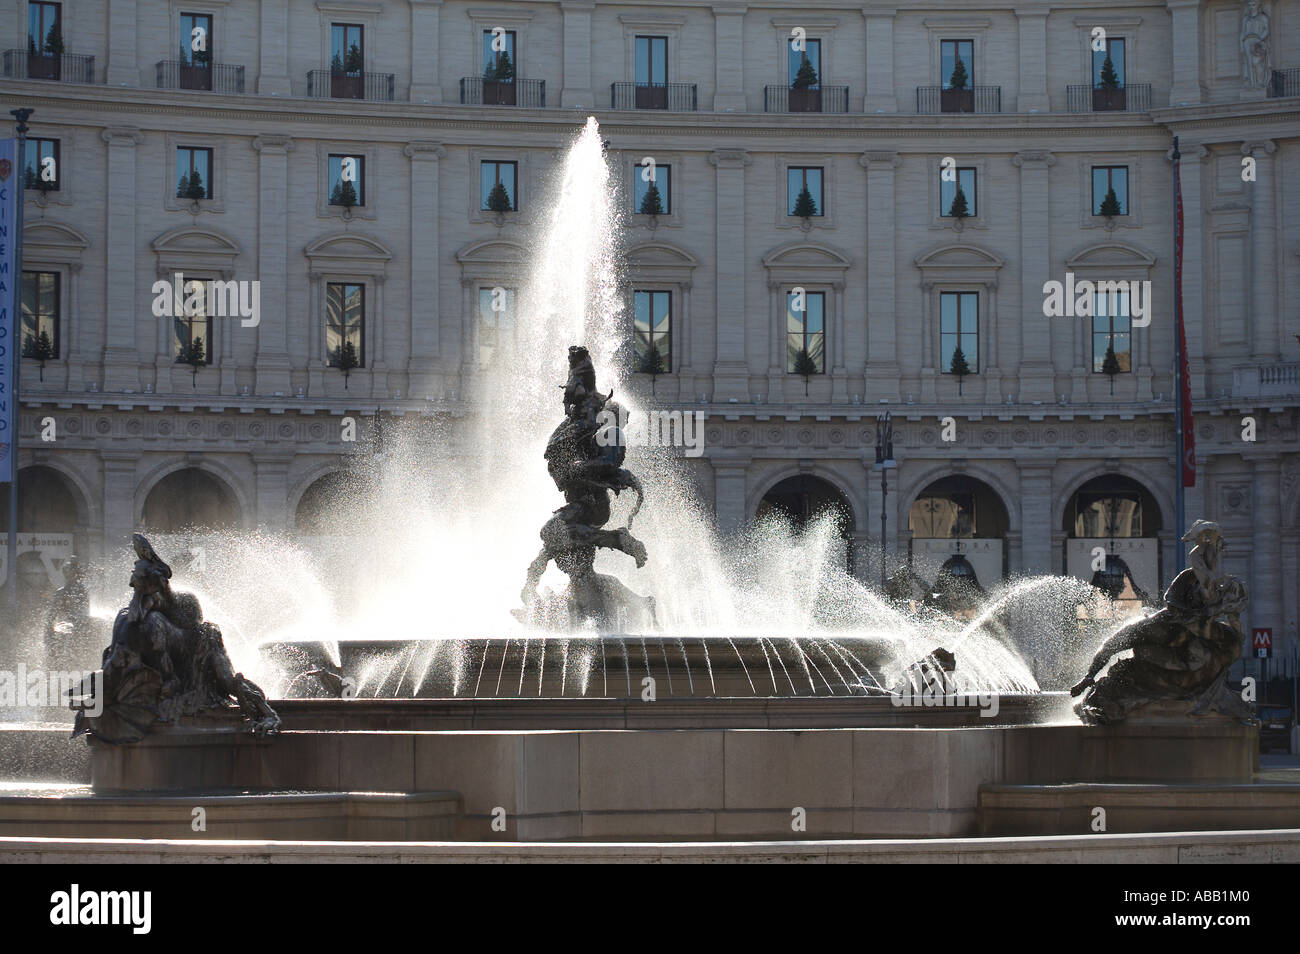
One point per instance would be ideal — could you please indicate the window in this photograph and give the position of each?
(652, 316)
(1104, 179)
(196, 51)
(347, 49)
(192, 326)
(496, 324)
(812, 53)
(947, 516)
(642, 184)
(1100, 515)
(345, 325)
(347, 183)
(40, 315)
(497, 186)
(1111, 328)
(959, 314)
(952, 51)
(193, 173)
(651, 60)
(499, 60)
(44, 40)
(41, 165)
(948, 190)
(797, 179)
(1115, 50)
(805, 325)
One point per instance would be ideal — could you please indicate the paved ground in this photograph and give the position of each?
(1277, 767)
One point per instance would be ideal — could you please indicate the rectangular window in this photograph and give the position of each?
(192, 333)
(1112, 328)
(805, 325)
(643, 187)
(193, 172)
(41, 165)
(797, 180)
(652, 319)
(499, 59)
(40, 315)
(950, 53)
(497, 186)
(1115, 49)
(1104, 179)
(347, 49)
(345, 325)
(651, 60)
(44, 28)
(196, 40)
(812, 53)
(347, 183)
(496, 325)
(959, 324)
(948, 191)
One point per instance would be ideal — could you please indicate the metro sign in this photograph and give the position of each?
(1263, 642)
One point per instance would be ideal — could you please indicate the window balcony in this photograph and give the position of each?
(528, 93)
(219, 78)
(1133, 98)
(61, 67)
(1267, 380)
(976, 99)
(1284, 83)
(674, 97)
(328, 84)
(824, 99)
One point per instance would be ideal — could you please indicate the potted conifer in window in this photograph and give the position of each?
(347, 76)
(194, 355)
(345, 359)
(499, 202)
(653, 364)
(1108, 94)
(47, 62)
(499, 81)
(959, 210)
(1110, 207)
(806, 365)
(805, 207)
(652, 204)
(959, 366)
(805, 97)
(191, 187)
(956, 97)
(39, 348)
(1110, 366)
(345, 195)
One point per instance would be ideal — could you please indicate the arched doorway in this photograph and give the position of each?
(958, 530)
(1112, 525)
(805, 499)
(51, 525)
(189, 500)
(330, 504)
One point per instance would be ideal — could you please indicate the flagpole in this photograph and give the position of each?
(1180, 451)
(15, 356)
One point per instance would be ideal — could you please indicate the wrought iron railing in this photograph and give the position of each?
(973, 99)
(329, 84)
(1132, 98)
(63, 67)
(527, 93)
(674, 97)
(824, 99)
(1284, 83)
(218, 78)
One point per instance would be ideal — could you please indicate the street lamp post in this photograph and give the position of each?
(15, 354)
(885, 463)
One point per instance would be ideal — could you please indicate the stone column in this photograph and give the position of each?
(121, 355)
(72, 335)
(119, 487)
(835, 336)
(577, 89)
(729, 496)
(881, 97)
(1185, 38)
(728, 44)
(882, 372)
(1036, 520)
(315, 334)
(1196, 288)
(375, 322)
(123, 66)
(989, 369)
(1034, 97)
(1265, 579)
(426, 318)
(272, 368)
(1037, 366)
(1263, 252)
(272, 494)
(731, 366)
(426, 16)
(273, 52)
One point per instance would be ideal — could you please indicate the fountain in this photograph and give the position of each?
(757, 676)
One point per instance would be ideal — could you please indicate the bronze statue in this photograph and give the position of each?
(584, 457)
(1181, 652)
(165, 661)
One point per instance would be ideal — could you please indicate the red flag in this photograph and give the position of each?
(1184, 372)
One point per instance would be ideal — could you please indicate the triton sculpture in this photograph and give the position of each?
(164, 662)
(1182, 652)
(584, 457)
